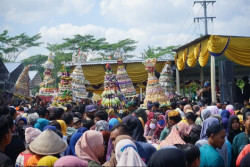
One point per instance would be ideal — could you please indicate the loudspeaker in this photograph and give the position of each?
(226, 80)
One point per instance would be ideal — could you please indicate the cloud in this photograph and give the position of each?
(29, 11)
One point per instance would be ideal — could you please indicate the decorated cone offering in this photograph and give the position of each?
(47, 87)
(167, 81)
(22, 84)
(111, 96)
(125, 84)
(78, 84)
(154, 91)
(65, 90)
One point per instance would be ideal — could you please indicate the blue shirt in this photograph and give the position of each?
(210, 156)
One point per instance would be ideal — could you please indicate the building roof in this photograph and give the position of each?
(113, 62)
(32, 74)
(11, 66)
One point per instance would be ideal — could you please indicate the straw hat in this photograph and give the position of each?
(48, 143)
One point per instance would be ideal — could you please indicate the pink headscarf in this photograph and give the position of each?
(188, 106)
(71, 160)
(89, 146)
(213, 109)
(230, 108)
(174, 137)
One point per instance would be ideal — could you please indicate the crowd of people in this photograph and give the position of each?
(180, 133)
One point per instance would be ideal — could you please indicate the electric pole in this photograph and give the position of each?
(205, 18)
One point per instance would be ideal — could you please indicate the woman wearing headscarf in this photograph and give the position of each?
(63, 126)
(208, 122)
(186, 107)
(233, 128)
(47, 161)
(213, 109)
(90, 147)
(147, 128)
(126, 154)
(70, 160)
(112, 122)
(41, 123)
(141, 115)
(159, 126)
(135, 127)
(205, 113)
(112, 162)
(225, 114)
(152, 128)
(176, 135)
(21, 121)
(74, 138)
(167, 157)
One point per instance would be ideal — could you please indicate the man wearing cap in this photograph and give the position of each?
(206, 92)
(130, 106)
(90, 111)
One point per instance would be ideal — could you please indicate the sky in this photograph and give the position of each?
(150, 22)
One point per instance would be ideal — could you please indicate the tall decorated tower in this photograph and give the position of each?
(48, 88)
(21, 88)
(167, 81)
(78, 84)
(111, 96)
(154, 91)
(125, 83)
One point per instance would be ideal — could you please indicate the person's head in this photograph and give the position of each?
(4, 110)
(90, 111)
(245, 79)
(58, 112)
(173, 106)
(56, 124)
(246, 122)
(174, 117)
(195, 134)
(43, 112)
(235, 123)
(68, 119)
(32, 118)
(192, 154)
(69, 107)
(191, 118)
(117, 130)
(130, 106)
(155, 106)
(87, 123)
(216, 135)
(76, 122)
(206, 86)
(5, 133)
(101, 115)
(13, 113)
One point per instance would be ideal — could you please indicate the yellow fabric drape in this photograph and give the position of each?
(217, 44)
(204, 53)
(181, 59)
(193, 52)
(238, 50)
(94, 74)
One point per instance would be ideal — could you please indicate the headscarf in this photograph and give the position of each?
(113, 122)
(225, 114)
(150, 116)
(106, 136)
(21, 118)
(187, 106)
(174, 136)
(208, 122)
(213, 109)
(32, 161)
(47, 161)
(111, 112)
(167, 157)
(88, 146)
(31, 134)
(135, 127)
(205, 113)
(242, 154)
(141, 113)
(231, 111)
(232, 133)
(102, 126)
(63, 126)
(41, 123)
(160, 125)
(126, 154)
(112, 162)
(70, 160)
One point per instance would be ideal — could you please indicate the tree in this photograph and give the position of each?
(159, 51)
(36, 62)
(12, 47)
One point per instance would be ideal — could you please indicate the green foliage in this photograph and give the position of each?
(12, 47)
(36, 63)
(159, 51)
(240, 83)
(88, 43)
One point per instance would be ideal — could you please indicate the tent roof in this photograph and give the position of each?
(32, 74)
